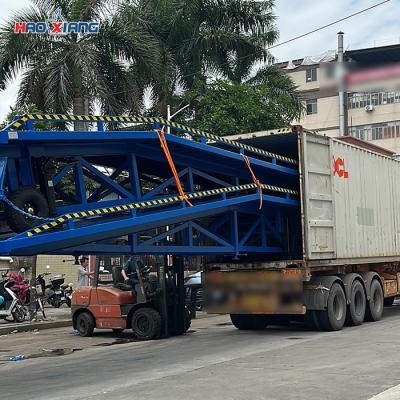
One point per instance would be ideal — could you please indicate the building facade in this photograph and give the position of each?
(372, 93)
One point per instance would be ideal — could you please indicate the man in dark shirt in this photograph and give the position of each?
(129, 272)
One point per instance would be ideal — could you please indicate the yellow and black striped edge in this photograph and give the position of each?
(95, 118)
(150, 203)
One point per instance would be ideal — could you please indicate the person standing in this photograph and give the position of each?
(83, 273)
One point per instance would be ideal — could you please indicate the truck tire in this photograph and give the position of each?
(250, 322)
(29, 200)
(332, 319)
(375, 303)
(388, 302)
(85, 324)
(146, 323)
(358, 304)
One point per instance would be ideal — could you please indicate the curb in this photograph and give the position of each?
(4, 330)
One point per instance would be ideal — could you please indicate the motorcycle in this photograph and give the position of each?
(67, 289)
(10, 305)
(57, 293)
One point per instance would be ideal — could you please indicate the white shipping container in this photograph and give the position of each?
(351, 203)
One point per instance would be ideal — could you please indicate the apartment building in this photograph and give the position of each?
(371, 79)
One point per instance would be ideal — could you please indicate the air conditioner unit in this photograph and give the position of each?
(369, 108)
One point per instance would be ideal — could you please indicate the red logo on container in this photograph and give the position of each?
(339, 169)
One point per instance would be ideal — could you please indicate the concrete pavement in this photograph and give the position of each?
(55, 318)
(216, 361)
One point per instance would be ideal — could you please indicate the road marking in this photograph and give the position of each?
(390, 394)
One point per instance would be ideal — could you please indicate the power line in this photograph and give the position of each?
(296, 37)
(327, 25)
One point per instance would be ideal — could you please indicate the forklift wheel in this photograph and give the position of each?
(146, 323)
(85, 324)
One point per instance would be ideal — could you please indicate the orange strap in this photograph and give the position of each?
(164, 146)
(255, 180)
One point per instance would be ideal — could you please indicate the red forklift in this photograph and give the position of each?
(154, 308)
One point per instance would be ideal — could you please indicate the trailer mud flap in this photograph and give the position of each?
(316, 292)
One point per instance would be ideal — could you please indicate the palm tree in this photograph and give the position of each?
(64, 73)
(203, 37)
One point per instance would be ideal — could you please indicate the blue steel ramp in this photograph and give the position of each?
(134, 203)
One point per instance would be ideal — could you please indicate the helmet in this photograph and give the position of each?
(1, 300)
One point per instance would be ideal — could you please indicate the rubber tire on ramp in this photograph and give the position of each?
(249, 322)
(358, 304)
(146, 323)
(16, 221)
(85, 324)
(332, 319)
(375, 303)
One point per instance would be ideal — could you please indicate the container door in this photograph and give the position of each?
(319, 229)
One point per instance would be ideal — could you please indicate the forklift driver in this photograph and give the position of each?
(129, 272)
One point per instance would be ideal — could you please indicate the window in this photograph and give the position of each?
(359, 133)
(385, 130)
(311, 106)
(361, 100)
(311, 75)
(377, 132)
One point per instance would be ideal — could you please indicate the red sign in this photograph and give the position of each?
(339, 169)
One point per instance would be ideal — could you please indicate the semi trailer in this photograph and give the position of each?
(292, 223)
(342, 245)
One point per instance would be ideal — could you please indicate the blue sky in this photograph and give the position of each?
(377, 27)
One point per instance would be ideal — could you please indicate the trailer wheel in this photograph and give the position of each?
(375, 303)
(146, 323)
(250, 322)
(31, 201)
(332, 319)
(85, 324)
(388, 302)
(358, 304)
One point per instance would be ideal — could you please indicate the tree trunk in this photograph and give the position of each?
(79, 108)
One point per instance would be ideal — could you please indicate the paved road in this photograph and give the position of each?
(216, 361)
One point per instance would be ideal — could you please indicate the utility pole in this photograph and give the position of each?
(341, 86)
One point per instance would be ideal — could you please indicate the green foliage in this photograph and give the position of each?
(25, 109)
(62, 72)
(202, 37)
(268, 100)
(172, 47)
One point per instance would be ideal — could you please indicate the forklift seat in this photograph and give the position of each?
(118, 279)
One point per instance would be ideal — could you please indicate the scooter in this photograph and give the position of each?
(54, 294)
(67, 289)
(10, 305)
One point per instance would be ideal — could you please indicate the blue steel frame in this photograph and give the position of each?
(128, 166)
